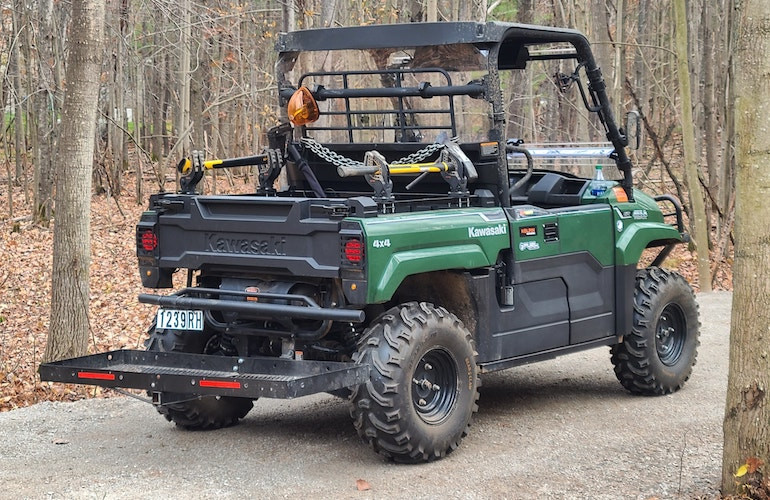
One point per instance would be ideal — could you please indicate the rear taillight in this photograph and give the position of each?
(353, 261)
(354, 251)
(148, 253)
(353, 245)
(149, 241)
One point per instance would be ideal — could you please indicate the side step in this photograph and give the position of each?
(200, 374)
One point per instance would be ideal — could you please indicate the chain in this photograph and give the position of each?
(420, 155)
(327, 154)
(338, 160)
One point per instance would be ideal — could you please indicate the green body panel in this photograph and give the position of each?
(637, 225)
(399, 245)
(584, 228)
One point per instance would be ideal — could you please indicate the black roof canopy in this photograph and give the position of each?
(428, 34)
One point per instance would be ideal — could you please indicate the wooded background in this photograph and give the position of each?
(184, 74)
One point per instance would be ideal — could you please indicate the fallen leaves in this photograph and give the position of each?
(751, 466)
(117, 319)
(363, 485)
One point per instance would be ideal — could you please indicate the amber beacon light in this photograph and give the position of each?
(302, 107)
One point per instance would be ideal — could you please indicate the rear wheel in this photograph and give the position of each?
(190, 411)
(658, 355)
(423, 387)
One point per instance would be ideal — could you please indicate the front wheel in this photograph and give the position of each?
(657, 357)
(423, 386)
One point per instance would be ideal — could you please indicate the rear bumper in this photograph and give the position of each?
(311, 310)
(199, 374)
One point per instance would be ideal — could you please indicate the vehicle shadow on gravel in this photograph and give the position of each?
(528, 390)
(326, 420)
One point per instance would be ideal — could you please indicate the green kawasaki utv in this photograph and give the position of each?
(399, 243)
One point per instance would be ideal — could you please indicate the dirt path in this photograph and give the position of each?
(558, 429)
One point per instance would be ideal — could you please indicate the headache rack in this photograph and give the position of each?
(383, 100)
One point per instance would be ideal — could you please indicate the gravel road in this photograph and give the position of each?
(558, 429)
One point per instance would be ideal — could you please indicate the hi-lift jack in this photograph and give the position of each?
(269, 164)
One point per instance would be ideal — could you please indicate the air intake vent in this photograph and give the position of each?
(551, 232)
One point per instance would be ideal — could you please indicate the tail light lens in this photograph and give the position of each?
(354, 251)
(148, 253)
(149, 241)
(353, 262)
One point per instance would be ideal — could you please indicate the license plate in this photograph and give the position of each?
(179, 319)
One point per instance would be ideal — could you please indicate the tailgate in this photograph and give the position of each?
(290, 236)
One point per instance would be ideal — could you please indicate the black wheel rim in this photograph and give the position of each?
(670, 334)
(434, 386)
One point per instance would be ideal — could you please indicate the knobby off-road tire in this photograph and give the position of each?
(657, 357)
(191, 412)
(423, 386)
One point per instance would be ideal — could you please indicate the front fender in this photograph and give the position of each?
(637, 236)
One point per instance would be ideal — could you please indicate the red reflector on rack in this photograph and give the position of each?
(220, 384)
(97, 375)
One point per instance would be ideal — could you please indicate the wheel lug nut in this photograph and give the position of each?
(422, 402)
(428, 366)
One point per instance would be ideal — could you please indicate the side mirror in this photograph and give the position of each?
(633, 129)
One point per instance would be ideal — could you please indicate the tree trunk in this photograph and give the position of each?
(747, 414)
(520, 99)
(68, 330)
(20, 149)
(183, 113)
(710, 124)
(620, 58)
(727, 96)
(698, 207)
(45, 114)
(139, 127)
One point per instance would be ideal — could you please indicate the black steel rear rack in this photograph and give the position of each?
(205, 375)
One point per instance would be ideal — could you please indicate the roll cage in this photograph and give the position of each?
(432, 48)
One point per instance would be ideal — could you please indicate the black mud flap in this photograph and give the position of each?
(199, 374)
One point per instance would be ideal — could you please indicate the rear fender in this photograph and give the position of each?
(411, 262)
(403, 245)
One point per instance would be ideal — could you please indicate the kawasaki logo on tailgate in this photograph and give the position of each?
(271, 245)
(500, 229)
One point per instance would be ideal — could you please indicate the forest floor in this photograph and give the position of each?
(117, 319)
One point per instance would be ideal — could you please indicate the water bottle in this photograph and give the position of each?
(598, 186)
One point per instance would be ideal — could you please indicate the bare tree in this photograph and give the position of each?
(698, 208)
(68, 331)
(747, 412)
(46, 111)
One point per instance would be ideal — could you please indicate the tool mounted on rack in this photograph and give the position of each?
(269, 164)
(453, 164)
